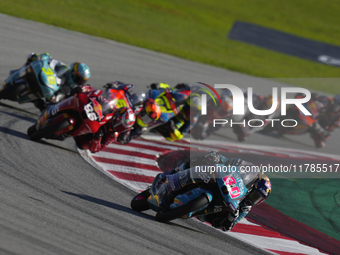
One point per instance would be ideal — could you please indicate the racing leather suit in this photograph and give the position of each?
(224, 220)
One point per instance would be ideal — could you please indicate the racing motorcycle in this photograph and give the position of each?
(169, 104)
(78, 115)
(211, 192)
(31, 82)
(304, 122)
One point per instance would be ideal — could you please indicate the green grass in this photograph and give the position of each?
(197, 29)
(314, 202)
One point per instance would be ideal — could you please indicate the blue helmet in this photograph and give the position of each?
(260, 190)
(80, 73)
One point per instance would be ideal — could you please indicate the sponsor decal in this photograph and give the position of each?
(268, 184)
(238, 99)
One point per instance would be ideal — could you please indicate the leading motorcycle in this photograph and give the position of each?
(297, 123)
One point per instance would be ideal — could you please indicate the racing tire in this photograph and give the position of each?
(140, 202)
(10, 91)
(170, 214)
(47, 130)
(32, 129)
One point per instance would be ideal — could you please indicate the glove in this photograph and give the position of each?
(74, 91)
(32, 57)
(124, 138)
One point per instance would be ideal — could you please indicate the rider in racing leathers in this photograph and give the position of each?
(258, 192)
(184, 121)
(69, 77)
(327, 120)
(241, 127)
(205, 125)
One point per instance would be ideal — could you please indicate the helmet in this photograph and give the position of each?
(124, 120)
(80, 73)
(226, 107)
(193, 105)
(336, 104)
(259, 192)
(150, 112)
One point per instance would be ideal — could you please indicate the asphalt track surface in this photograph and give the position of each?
(52, 201)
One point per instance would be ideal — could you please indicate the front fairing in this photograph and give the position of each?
(117, 98)
(236, 190)
(93, 112)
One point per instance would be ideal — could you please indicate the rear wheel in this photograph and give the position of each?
(170, 214)
(140, 202)
(12, 91)
(47, 130)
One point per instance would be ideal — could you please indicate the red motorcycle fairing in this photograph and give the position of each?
(85, 112)
(304, 122)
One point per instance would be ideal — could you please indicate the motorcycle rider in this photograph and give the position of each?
(175, 127)
(259, 189)
(146, 110)
(145, 116)
(121, 122)
(184, 121)
(328, 118)
(243, 131)
(69, 76)
(205, 125)
(164, 102)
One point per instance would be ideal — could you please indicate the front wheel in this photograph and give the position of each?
(140, 202)
(32, 129)
(47, 130)
(12, 91)
(170, 214)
